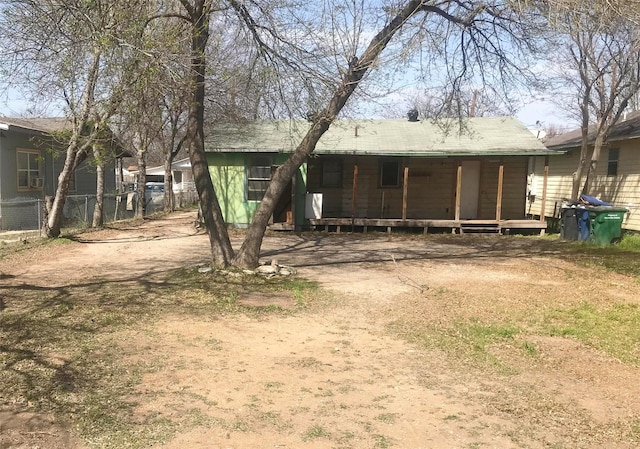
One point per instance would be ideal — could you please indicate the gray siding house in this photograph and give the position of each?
(30, 163)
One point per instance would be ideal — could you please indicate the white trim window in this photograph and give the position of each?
(612, 162)
(258, 174)
(29, 170)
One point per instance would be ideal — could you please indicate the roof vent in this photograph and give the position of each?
(412, 115)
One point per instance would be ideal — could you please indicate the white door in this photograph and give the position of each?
(470, 190)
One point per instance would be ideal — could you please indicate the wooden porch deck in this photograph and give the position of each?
(456, 226)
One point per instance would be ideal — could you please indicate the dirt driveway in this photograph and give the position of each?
(350, 374)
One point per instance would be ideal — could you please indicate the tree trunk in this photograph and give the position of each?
(577, 176)
(169, 200)
(53, 223)
(249, 253)
(221, 250)
(593, 165)
(141, 202)
(98, 210)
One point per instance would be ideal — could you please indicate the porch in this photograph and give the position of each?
(460, 195)
(455, 226)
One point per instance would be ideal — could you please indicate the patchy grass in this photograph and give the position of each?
(470, 334)
(316, 432)
(614, 329)
(623, 258)
(58, 353)
(20, 247)
(630, 242)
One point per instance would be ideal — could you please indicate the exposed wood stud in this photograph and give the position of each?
(458, 190)
(500, 186)
(544, 190)
(354, 193)
(405, 192)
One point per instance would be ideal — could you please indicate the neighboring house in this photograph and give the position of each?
(381, 173)
(183, 187)
(180, 171)
(617, 178)
(30, 163)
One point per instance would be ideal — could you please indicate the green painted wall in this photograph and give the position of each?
(227, 171)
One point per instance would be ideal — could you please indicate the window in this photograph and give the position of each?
(29, 170)
(258, 177)
(612, 163)
(389, 173)
(332, 173)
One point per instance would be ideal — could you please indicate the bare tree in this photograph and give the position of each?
(197, 13)
(603, 45)
(73, 51)
(470, 33)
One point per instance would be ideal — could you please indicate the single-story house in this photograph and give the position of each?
(462, 175)
(617, 179)
(180, 172)
(30, 163)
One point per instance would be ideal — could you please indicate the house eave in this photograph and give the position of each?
(421, 154)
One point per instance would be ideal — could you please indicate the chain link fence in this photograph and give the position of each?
(27, 214)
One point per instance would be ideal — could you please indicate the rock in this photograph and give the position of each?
(204, 269)
(287, 271)
(267, 269)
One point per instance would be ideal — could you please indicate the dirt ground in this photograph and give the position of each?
(340, 377)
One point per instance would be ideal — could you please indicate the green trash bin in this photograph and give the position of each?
(606, 224)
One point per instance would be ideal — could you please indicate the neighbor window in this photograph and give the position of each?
(258, 177)
(29, 170)
(612, 163)
(389, 173)
(332, 173)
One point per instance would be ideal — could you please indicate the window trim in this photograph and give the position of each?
(339, 170)
(612, 164)
(247, 166)
(29, 170)
(381, 165)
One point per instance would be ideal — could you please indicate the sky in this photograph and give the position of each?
(543, 111)
(546, 113)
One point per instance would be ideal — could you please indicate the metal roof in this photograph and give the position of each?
(625, 129)
(478, 136)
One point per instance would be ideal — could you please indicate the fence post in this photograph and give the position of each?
(39, 211)
(86, 210)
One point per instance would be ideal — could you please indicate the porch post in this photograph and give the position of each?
(500, 185)
(294, 195)
(405, 190)
(354, 198)
(458, 190)
(544, 190)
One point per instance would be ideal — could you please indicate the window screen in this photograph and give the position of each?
(612, 163)
(258, 177)
(389, 173)
(29, 170)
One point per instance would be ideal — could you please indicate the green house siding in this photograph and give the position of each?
(229, 176)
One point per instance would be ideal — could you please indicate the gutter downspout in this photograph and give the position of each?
(3, 127)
